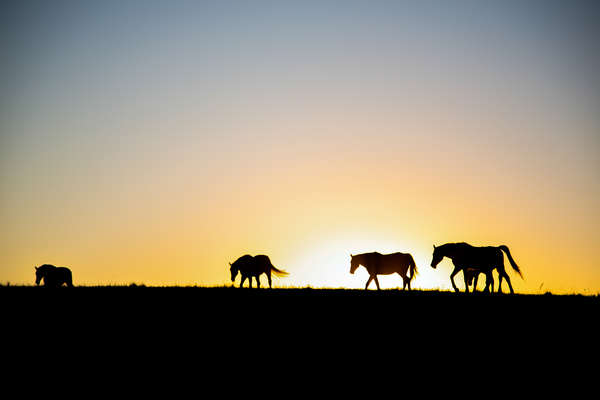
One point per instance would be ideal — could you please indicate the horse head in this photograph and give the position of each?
(437, 256)
(39, 274)
(234, 272)
(354, 263)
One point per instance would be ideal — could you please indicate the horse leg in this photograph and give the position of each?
(405, 281)
(258, 281)
(243, 279)
(456, 270)
(466, 282)
(489, 280)
(507, 281)
(501, 274)
(369, 281)
(475, 279)
(509, 285)
(376, 281)
(269, 278)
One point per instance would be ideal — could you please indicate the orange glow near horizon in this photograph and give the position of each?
(308, 216)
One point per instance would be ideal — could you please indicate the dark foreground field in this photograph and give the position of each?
(134, 306)
(134, 327)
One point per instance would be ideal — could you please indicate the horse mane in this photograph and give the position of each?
(457, 244)
(367, 254)
(454, 245)
(245, 258)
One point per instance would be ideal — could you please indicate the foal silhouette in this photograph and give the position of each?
(53, 276)
(472, 274)
(250, 266)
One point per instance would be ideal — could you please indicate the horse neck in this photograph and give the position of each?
(45, 269)
(448, 250)
(361, 259)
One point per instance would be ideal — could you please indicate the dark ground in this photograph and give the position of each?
(166, 308)
(297, 337)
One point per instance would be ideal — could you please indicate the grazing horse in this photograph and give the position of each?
(250, 266)
(385, 264)
(53, 276)
(482, 259)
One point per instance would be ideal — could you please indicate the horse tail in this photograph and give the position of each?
(412, 267)
(512, 262)
(279, 272)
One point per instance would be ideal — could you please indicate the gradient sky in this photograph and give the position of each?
(156, 141)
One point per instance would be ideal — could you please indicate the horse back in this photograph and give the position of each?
(60, 275)
(253, 265)
(64, 272)
(262, 263)
(390, 263)
(477, 257)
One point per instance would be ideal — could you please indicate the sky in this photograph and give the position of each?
(156, 141)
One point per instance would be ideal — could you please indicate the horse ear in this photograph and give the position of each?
(35, 267)
(230, 264)
(434, 246)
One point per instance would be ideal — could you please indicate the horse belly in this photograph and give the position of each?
(387, 269)
(385, 272)
(479, 265)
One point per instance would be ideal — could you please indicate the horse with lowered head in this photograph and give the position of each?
(385, 264)
(53, 276)
(253, 266)
(483, 259)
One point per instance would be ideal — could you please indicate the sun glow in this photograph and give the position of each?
(326, 262)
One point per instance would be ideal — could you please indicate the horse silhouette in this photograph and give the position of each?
(385, 264)
(472, 274)
(53, 276)
(249, 266)
(482, 259)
